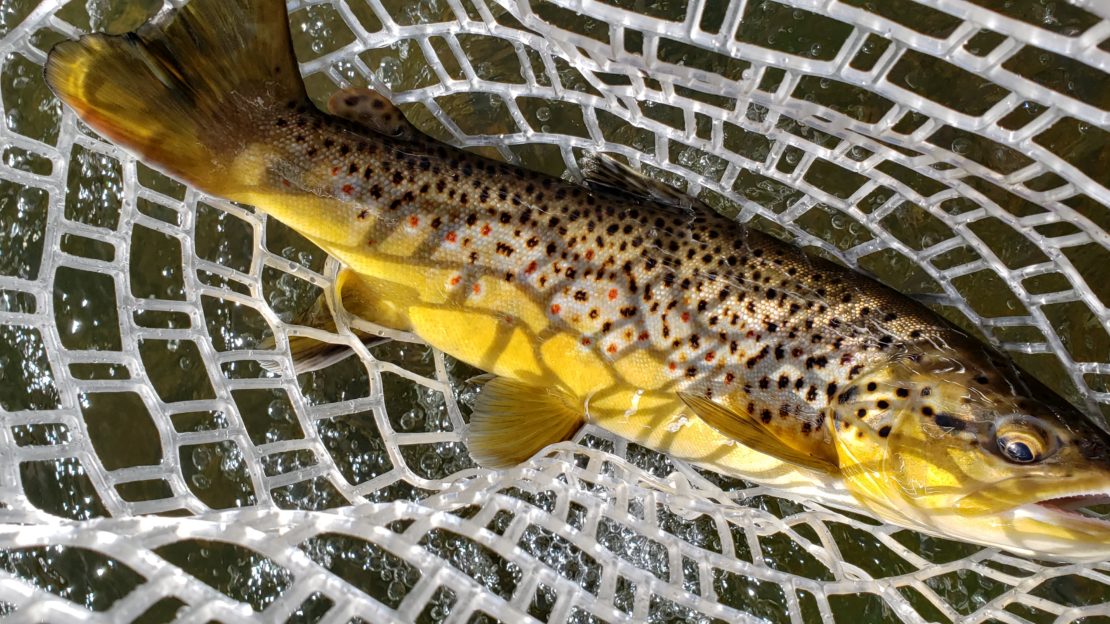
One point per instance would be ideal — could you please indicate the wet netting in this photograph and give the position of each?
(151, 467)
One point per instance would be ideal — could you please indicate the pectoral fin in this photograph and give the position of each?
(310, 354)
(513, 421)
(752, 433)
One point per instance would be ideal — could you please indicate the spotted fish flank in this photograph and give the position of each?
(657, 319)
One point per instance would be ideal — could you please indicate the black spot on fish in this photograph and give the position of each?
(847, 395)
(947, 421)
(885, 431)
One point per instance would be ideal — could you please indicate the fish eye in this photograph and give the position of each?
(1021, 442)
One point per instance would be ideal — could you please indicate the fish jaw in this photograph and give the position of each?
(1051, 528)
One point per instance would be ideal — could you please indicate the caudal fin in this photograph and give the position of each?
(188, 92)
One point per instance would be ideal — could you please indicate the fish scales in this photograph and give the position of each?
(676, 329)
(726, 308)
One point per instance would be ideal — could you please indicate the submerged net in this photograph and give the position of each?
(151, 467)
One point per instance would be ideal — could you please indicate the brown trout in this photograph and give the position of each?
(673, 327)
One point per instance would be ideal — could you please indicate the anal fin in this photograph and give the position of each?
(512, 421)
(752, 433)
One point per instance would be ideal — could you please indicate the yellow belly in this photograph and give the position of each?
(494, 325)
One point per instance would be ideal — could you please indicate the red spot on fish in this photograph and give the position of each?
(586, 342)
(455, 280)
(485, 230)
(286, 183)
(477, 289)
(612, 294)
(334, 171)
(531, 268)
(709, 356)
(672, 366)
(612, 348)
(589, 254)
(348, 189)
(643, 336)
(555, 308)
(685, 317)
(451, 237)
(729, 378)
(414, 221)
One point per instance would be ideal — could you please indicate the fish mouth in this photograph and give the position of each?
(1089, 508)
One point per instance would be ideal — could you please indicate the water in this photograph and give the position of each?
(202, 282)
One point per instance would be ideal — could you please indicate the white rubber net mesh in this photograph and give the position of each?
(151, 469)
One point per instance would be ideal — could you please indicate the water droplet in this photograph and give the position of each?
(278, 410)
(201, 456)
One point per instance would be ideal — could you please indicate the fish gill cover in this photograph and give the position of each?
(150, 466)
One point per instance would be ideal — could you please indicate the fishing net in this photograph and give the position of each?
(152, 467)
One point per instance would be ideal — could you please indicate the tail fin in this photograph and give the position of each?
(185, 93)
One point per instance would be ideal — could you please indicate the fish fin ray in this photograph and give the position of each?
(372, 111)
(512, 421)
(749, 431)
(308, 353)
(186, 93)
(605, 173)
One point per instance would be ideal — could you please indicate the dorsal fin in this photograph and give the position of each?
(604, 173)
(752, 433)
(371, 110)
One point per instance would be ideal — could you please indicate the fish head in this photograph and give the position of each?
(962, 446)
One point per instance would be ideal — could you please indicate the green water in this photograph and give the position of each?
(87, 315)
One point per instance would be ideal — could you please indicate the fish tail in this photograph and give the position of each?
(186, 93)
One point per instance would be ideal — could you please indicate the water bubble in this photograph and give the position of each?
(186, 363)
(201, 456)
(815, 49)
(200, 481)
(278, 410)
(230, 463)
(430, 463)
(961, 146)
(410, 419)
(543, 113)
